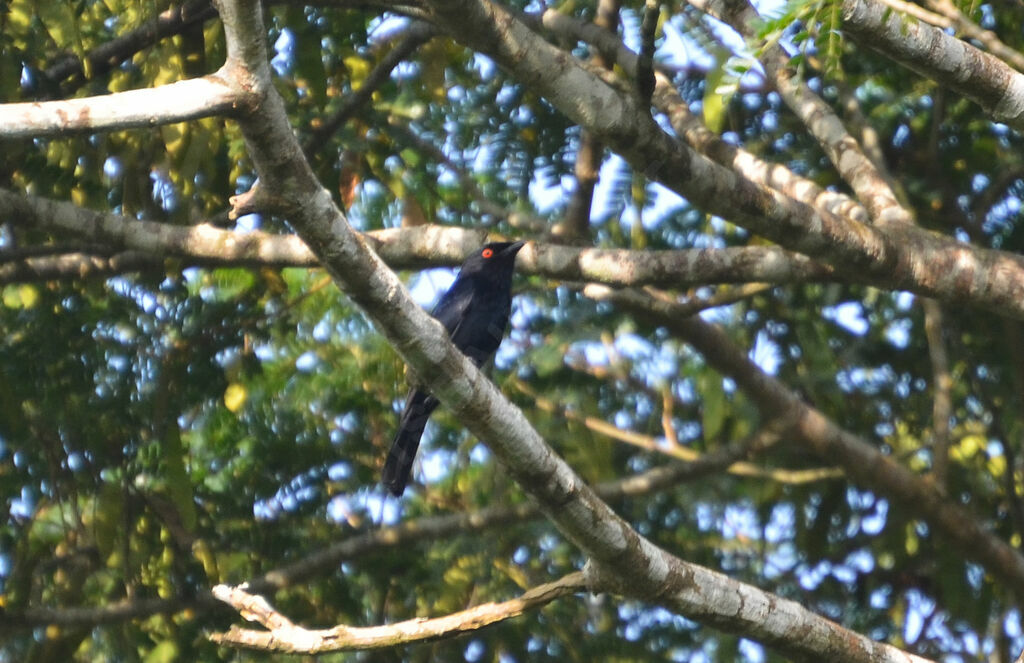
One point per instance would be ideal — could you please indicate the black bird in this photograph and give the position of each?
(475, 311)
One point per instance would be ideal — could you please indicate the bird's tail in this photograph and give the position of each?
(398, 466)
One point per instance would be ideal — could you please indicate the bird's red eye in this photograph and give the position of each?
(487, 253)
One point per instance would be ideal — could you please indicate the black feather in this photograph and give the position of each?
(475, 311)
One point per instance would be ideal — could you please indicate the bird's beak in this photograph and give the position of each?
(513, 248)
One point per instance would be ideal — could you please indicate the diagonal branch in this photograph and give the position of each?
(845, 153)
(954, 18)
(690, 128)
(898, 257)
(931, 52)
(619, 557)
(284, 636)
(861, 460)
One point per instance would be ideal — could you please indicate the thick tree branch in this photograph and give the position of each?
(284, 636)
(954, 18)
(845, 153)
(950, 62)
(619, 557)
(692, 130)
(900, 257)
(406, 248)
(185, 100)
(861, 460)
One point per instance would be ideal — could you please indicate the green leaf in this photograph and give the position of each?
(720, 86)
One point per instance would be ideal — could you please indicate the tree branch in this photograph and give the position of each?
(690, 128)
(845, 153)
(619, 557)
(954, 18)
(861, 460)
(403, 248)
(951, 62)
(284, 636)
(901, 257)
(176, 102)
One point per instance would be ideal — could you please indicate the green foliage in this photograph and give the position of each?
(164, 431)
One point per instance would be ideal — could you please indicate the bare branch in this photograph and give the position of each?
(691, 129)
(954, 18)
(853, 165)
(861, 460)
(403, 249)
(619, 557)
(185, 100)
(951, 62)
(284, 636)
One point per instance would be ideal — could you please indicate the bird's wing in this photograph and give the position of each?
(454, 304)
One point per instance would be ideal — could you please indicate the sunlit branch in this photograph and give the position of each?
(846, 154)
(176, 102)
(690, 128)
(928, 50)
(919, 12)
(954, 18)
(284, 636)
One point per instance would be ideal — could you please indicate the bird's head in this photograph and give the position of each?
(494, 258)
